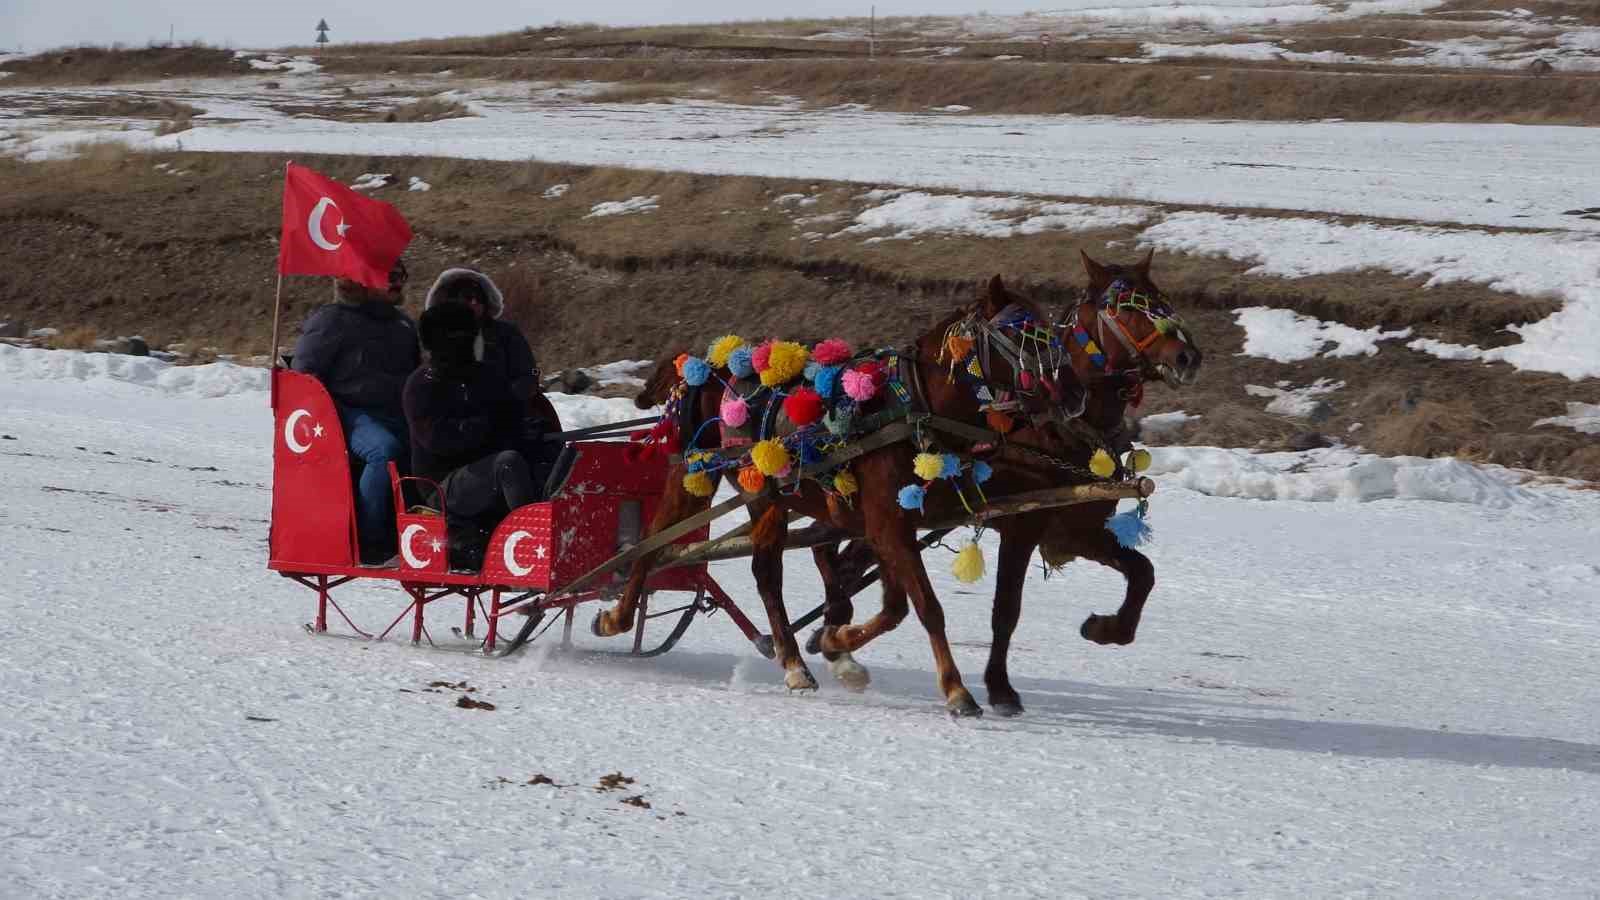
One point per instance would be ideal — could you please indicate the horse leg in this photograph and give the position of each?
(902, 562)
(837, 609)
(847, 638)
(1141, 575)
(1016, 550)
(766, 564)
(677, 504)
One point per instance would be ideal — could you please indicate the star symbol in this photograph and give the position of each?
(538, 552)
(317, 431)
(436, 545)
(343, 229)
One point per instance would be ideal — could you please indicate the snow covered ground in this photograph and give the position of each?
(1383, 698)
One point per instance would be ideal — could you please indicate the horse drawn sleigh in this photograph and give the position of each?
(627, 519)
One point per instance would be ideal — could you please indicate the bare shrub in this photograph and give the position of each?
(428, 109)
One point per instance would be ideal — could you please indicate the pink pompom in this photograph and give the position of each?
(761, 357)
(831, 352)
(1025, 378)
(734, 411)
(860, 386)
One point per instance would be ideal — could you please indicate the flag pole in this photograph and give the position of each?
(277, 299)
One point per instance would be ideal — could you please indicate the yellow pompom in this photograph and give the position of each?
(699, 484)
(1139, 460)
(722, 348)
(968, 566)
(928, 466)
(751, 480)
(1102, 464)
(770, 457)
(845, 483)
(786, 362)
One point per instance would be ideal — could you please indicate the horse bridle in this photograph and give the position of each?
(1034, 356)
(1119, 296)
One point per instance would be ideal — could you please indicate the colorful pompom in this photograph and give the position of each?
(952, 465)
(771, 457)
(696, 371)
(761, 356)
(875, 369)
(981, 471)
(968, 566)
(911, 496)
(803, 406)
(1102, 464)
(928, 466)
(859, 386)
(831, 352)
(699, 484)
(811, 370)
(786, 361)
(1139, 460)
(740, 364)
(1000, 422)
(958, 346)
(1130, 528)
(734, 411)
(1025, 378)
(845, 483)
(751, 480)
(826, 381)
(722, 348)
(677, 363)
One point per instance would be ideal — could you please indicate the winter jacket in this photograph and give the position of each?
(458, 419)
(505, 351)
(362, 353)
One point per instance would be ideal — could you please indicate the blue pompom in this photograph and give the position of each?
(952, 465)
(911, 496)
(981, 471)
(739, 363)
(811, 370)
(1130, 528)
(826, 381)
(696, 371)
(696, 465)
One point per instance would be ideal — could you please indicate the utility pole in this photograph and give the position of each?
(872, 35)
(172, 34)
(322, 33)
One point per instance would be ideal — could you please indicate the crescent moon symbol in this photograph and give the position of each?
(288, 432)
(510, 555)
(314, 223)
(410, 554)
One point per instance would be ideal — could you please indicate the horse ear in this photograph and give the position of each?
(1144, 264)
(1096, 272)
(996, 297)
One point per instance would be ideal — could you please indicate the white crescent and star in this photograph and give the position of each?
(510, 554)
(292, 442)
(314, 225)
(409, 553)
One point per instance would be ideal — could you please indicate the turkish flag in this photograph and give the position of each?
(329, 229)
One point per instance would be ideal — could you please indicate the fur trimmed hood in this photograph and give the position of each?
(497, 302)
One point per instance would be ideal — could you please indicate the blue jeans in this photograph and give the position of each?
(376, 439)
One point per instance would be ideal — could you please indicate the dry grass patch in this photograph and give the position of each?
(428, 109)
(104, 65)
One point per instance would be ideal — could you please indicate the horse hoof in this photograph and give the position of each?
(1007, 710)
(799, 680)
(853, 675)
(1103, 630)
(964, 707)
(597, 627)
(766, 647)
(814, 642)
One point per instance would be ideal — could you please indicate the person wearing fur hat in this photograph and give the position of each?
(504, 351)
(362, 348)
(467, 428)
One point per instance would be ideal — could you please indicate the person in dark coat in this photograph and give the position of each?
(467, 428)
(505, 351)
(362, 348)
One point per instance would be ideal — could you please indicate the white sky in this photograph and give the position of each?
(40, 24)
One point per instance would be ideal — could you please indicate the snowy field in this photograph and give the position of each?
(1329, 697)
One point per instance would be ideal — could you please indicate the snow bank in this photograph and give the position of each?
(1583, 418)
(555, 191)
(1164, 426)
(624, 207)
(1285, 336)
(1298, 403)
(914, 213)
(213, 380)
(417, 184)
(1560, 264)
(579, 411)
(1338, 474)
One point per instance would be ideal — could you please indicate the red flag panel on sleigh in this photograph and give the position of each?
(602, 505)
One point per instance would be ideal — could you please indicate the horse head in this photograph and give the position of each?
(1125, 327)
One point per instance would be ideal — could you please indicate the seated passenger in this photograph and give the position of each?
(467, 431)
(362, 348)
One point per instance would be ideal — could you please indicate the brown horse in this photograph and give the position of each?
(875, 511)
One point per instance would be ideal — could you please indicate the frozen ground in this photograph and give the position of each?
(1385, 698)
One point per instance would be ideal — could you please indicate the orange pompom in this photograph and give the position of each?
(1000, 422)
(678, 363)
(751, 480)
(958, 346)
